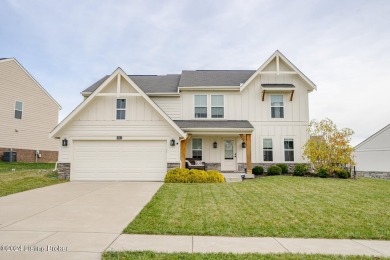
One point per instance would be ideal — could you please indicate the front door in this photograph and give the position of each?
(229, 160)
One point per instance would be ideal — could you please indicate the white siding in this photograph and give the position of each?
(247, 105)
(170, 105)
(40, 112)
(97, 122)
(374, 153)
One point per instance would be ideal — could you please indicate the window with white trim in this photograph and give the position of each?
(267, 150)
(120, 109)
(277, 106)
(18, 109)
(217, 106)
(288, 150)
(197, 148)
(200, 106)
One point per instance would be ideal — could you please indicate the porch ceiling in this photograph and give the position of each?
(217, 127)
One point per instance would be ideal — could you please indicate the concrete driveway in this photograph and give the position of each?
(75, 220)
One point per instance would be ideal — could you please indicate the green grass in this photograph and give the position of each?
(280, 206)
(26, 176)
(228, 256)
(6, 167)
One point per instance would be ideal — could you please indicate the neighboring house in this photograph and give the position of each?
(373, 154)
(137, 127)
(27, 115)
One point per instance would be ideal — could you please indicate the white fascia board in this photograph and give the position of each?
(280, 55)
(117, 72)
(36, 82)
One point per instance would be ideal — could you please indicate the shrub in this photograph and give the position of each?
(258, 170)
(274, 170)
(215, 176)
(323, 172)
(179, 175)
(284, 167)
(342, 173)
(300, 169)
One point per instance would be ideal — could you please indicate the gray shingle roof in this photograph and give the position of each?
(171, 82)
(155, 84)
(191, 78)
(95, 85)
(213, 124)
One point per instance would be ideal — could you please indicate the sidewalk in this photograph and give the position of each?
(203, 244)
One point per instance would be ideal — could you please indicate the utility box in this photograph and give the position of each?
(9, 157)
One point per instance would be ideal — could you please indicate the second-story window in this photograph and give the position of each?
(120, 109)
(18, 109)
(200, 106)
(277, 109)
(217, 106)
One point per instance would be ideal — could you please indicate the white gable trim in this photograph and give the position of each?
(278, 55)
(36, 82)
(118, 72)
(372, 137)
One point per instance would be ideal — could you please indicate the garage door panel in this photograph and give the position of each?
(119, 160)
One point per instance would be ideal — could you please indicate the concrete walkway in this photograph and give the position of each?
(199, 244)
(75, 220)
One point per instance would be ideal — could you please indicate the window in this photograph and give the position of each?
(289, 150)
(277, 109)
(121, 109)
(200, 106)
(217, 106)
(18, 109)
(197, 148)
(267, 150)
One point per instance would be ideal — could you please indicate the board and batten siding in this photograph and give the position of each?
(40, 112)
(247, 105)
(97, 122)
(170, 105)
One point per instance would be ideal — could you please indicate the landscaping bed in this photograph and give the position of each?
(26, 176)
(278, 206)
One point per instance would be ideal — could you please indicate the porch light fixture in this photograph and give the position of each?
(215, 145)
(172, 142)
(64, 142)
(243, 145)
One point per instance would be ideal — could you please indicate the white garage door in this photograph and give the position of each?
(119, 160)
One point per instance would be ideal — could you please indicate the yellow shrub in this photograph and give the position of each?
(179, 175)
(215, 176)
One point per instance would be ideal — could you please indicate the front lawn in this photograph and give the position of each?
(26, 176)
(228, 256)
(280, 206)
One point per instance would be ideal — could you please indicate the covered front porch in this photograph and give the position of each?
(223, 145)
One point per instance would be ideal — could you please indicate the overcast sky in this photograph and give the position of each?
(342, 46)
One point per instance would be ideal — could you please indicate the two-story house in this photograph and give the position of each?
(27, 115)
(133, 127)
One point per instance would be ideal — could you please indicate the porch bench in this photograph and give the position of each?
(191, 163)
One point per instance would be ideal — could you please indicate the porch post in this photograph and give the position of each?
(248, 154)
(183, 145)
